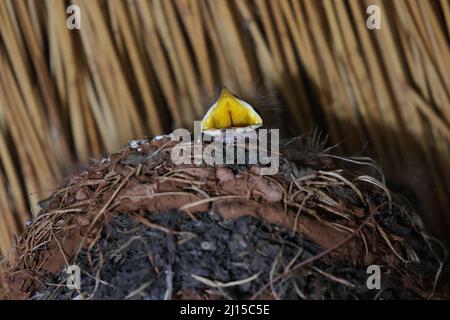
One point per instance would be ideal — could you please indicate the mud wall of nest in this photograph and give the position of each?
(331, 202)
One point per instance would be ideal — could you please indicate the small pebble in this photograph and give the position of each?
(82, 221)
(205, 245)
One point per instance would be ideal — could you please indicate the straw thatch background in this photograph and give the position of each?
(138, 68)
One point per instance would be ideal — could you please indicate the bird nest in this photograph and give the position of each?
(139, 226)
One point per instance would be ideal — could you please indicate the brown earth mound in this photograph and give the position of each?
(139, 226)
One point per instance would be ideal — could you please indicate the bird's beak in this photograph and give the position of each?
(230, 112)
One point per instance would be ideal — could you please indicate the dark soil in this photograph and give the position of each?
(133, 261)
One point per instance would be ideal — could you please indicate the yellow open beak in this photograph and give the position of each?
(230, 112)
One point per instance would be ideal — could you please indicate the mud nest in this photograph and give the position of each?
(140, 227)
